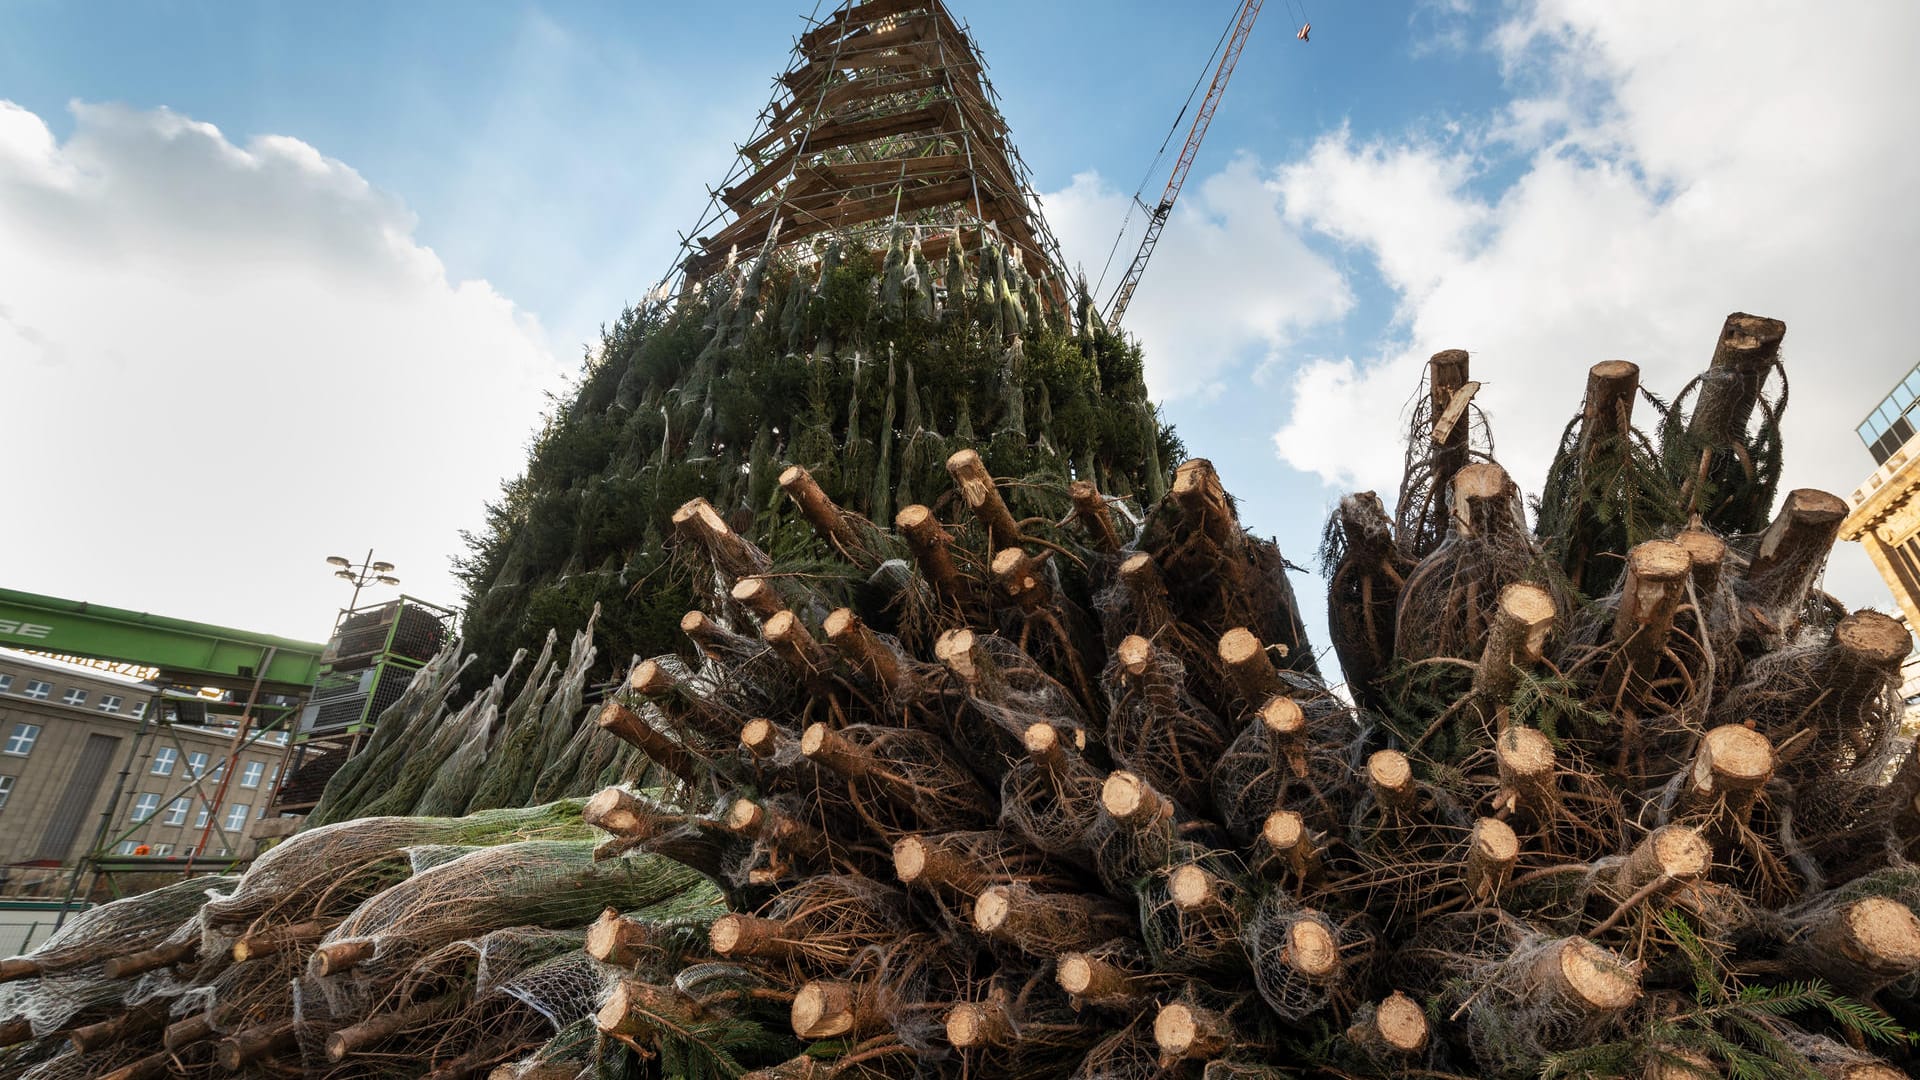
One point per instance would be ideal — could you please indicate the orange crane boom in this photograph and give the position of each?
(1157, 217)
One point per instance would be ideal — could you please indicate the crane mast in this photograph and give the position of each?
(1157, 217)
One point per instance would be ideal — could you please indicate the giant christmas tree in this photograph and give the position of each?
(968, 751)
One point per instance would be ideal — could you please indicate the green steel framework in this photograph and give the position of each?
(186, 654)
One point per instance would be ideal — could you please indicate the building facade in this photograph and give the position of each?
(68, 731)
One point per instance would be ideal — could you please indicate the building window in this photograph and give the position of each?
(164, 759)
(196, 765)
(139, 710)
(109, 703)
(250, 776)
(126, 847)
(38, 690)
(145, 805)
(176, 812)
(6, 683)
(274, 780)
(200, 819)
(219, 770)
(237, 816)
(75, 696)
(6, 790)
(221, 854)
(20, 743)
(163, 849)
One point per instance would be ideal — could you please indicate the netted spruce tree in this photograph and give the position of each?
(950, 733)
(1066, 796)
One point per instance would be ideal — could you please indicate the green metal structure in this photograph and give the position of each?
(186, 653)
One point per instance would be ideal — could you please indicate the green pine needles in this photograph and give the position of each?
(867, 375)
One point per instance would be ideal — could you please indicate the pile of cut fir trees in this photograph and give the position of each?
(1039, 783)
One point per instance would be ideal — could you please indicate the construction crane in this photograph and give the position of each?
(1157, 216)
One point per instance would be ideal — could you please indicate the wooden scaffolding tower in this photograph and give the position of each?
(885, 120)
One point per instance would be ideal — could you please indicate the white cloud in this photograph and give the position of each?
(1230, 282)
(1677, 163)
(223, 362)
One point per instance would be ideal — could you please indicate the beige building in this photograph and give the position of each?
(67, 733)
(1885, 514)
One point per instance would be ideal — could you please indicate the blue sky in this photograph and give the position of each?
(1548, 184)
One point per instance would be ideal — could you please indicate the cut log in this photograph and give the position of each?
(973, 1024)
(339, 956)
(1042, 742)
(18, 967)
(1132, 801)
(1672, 853)
(620, 812)
(1248, 665)
(626, 725)
(1586, 977)
(1134, 655)
(1654, 590)
(1020, 579)
(828, 747)
(15, 1031)
(1708, 554)
(1608, 411)
(863, 650)
(736, 935)
(139, 963)
(374, 1029)
(1046, 924)
(1484, 497)
(1090, 510)
(1492, 850)
(279, 939)
(1190, 1033)
(151, 1067)
(1516, 641)
(1311, 949)
(1390, 776)
(762, 738)
(133, 1024)
(649, 679)
(824, 1009)
(1095, 981)
(783, 832)
(615, 939)
(1871, 639)
(184, 1033)
(977, 490)
(828, 522)
(1285, 835)
(1193, 889)
(1747, 349)
(732, 554)
(759, 596)
(931, 546)
(1791, 554)
(1397, 1029)
(243, 1048)
(1729, 769)
(1527, 768)
(631, 1008)
(1197, 488)
(1866, 945)
(790, 640)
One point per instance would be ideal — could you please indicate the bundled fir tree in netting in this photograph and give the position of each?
(1063, 794)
